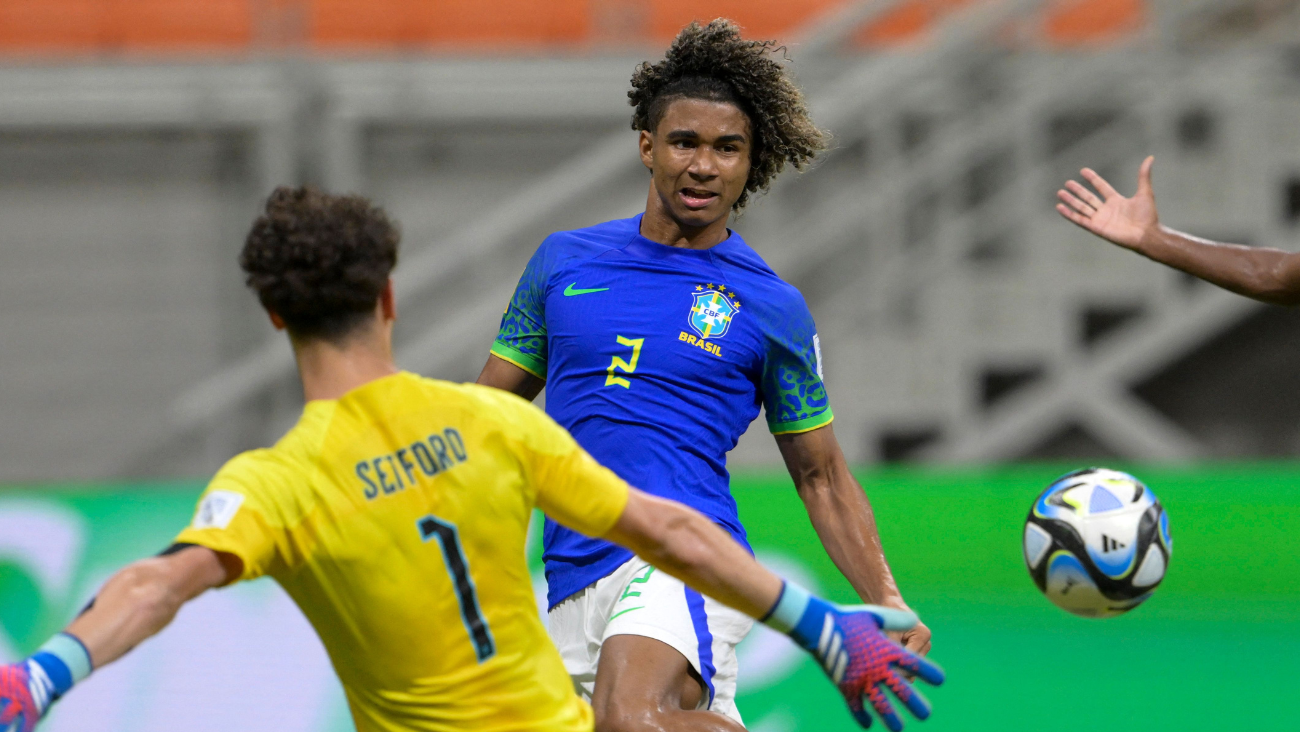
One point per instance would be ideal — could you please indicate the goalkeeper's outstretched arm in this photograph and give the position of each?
(846, 641)
(682, 542)
(142, 599)
(136, 603)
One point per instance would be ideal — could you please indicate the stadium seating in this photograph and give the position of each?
(226, 27)
(1080, 22)
(142, 26)
(455, 23)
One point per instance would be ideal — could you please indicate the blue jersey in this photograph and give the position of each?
(657, 359)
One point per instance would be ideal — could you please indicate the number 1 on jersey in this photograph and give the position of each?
(452, 554)
(619, 364)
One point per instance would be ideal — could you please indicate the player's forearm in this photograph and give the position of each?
(1263, 274)
(845, 523)
(682, 542)
(142, 599)
(840, 513)
(136, 603)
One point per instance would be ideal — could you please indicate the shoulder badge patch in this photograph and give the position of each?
(217, 510)
(712, 310)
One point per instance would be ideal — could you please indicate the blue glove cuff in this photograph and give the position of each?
(69, 650)
(804, 617)
(789, 608)
(55, 667)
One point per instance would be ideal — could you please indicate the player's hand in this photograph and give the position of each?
(1123, 221)
(19, 711)
(852, 648)
(916, 639)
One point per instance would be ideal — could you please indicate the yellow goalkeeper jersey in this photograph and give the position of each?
(396, 518)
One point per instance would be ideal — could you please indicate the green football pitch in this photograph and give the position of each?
(1217, 647)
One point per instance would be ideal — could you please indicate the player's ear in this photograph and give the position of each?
(647, 144)
(276, 320)
(388, 302)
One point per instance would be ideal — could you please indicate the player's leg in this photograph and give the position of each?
(668, 660)
(644, 685)
(577, 636)
(577, 626)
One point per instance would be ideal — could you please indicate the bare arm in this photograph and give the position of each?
(502, 374)
(842, 516)
(846, 642)
(1268, 275)
(682, 542)
(142, 599)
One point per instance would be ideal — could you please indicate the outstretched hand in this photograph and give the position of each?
(19, 710)
(1123, 221)
(863, 662)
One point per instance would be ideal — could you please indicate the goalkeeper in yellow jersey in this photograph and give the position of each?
(395, 513)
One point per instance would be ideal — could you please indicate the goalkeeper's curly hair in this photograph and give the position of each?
(712, 62)
(319, 261)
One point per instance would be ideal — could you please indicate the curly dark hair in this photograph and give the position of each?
(712, 62)
(318, 261)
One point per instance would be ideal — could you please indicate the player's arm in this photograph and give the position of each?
(576, 491)
(517, 362)
(842, 516)
(142, 599)
(502, 374)
(846, 641)
(1268, 275)
(136, 603)
(682, 542)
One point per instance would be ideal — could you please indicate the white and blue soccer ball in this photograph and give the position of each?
(1097, 542)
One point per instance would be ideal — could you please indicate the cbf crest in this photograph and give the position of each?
(712, 310)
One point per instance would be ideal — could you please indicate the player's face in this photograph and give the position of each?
(699, 159)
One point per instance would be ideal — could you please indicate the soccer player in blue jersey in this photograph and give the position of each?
(405, 549)
(658, 338)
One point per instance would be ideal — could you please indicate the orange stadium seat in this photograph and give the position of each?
(44, 25)
(231, 26)
(60, 26)
(174, 24)
(1066, 23)
(1083, 22)
(759, 18)
(908, 22)
(495, 23)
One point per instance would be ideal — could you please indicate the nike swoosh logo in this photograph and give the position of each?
(570, 291)
(615, 615)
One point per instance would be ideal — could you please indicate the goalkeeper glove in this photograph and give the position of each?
(27, 689)
(851, 648)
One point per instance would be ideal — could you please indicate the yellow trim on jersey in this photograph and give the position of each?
(531, 364)
(803, 425)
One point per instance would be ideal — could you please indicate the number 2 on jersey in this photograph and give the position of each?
(618, 364)
(452, 554)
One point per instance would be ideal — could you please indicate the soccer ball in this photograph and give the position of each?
(1097, 542)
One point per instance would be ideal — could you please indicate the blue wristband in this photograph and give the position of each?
(801, 615)
(69, 649)
(789, 608)
(56, 666)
